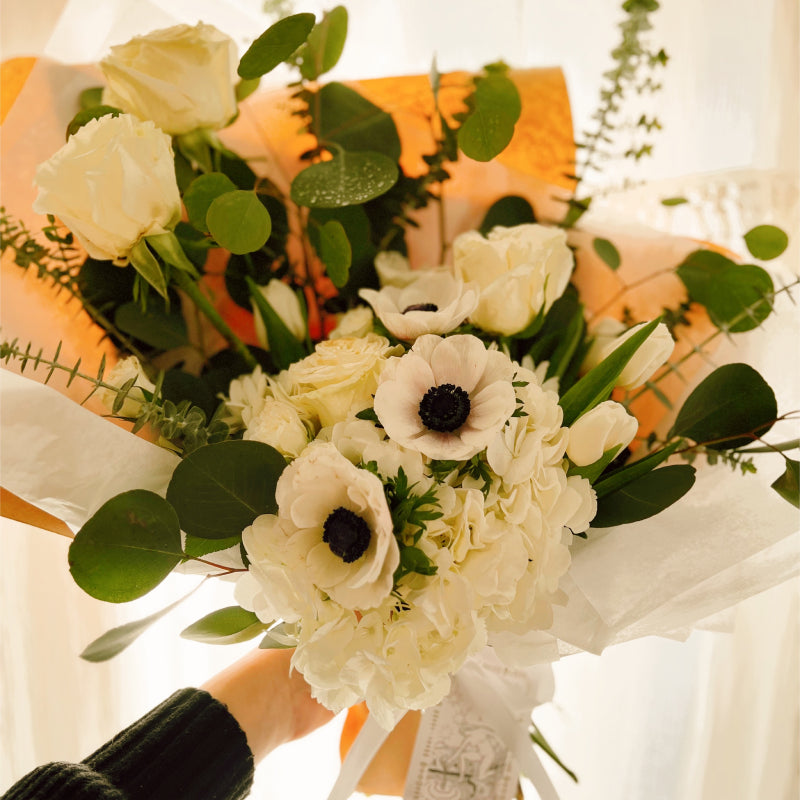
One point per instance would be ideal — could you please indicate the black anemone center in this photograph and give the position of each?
(421, 307)
(346, 534)
(444, 408)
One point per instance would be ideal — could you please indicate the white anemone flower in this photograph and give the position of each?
(435, 302)
(334, 529)
(447, 398)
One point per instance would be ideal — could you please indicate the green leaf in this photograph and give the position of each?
(788, 484)
(333, 247)
(607, 252)
(645, 496)
(196, 547)
(283, 345)
(597, 384)
(229, 625)
(170, 251)
(130, 544)
(674, 201)
(489, 128)
(146, 264)
(91, 98)
(508, 211)
(155, 326)
(340, 114)
(239, 222)
(178, 385)
(218, 490)
(87, 115)
(325, 43)
(113, 642)
(730, 292)
(485, 135)
(277, 639)
(243, 90)
(617, 479)
(732, 402)
(275, 45)
(766, 242)
(348, 179)
(201, 194)
(538, 739)
(593, 471)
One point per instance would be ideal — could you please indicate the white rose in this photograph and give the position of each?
(520, 271)
(336, 528)
(111, 184)
(606, 427)
(353, 323)
(119, 375)
(435, 302)
(181, 78)
(285, 304)
(339, 378)
(279, 425)
(652, 354)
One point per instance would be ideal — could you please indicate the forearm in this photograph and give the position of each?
(271, 703)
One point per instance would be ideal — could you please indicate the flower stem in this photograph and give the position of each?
(192, 289)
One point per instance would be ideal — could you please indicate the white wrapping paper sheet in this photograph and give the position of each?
(729, 538)
(67, 460)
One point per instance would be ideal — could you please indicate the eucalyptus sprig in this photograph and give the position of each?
(633, 63)
(184, 425)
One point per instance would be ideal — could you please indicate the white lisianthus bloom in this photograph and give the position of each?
(435, 302)
(446, 398)
(246, 396)
(285, 304)
(111, 184)
(279, 425)
(353, 323)
(520, 271)
(603, 332)
(652, 354)
(118, 376)
(339, 378)
(333, 527)
(605, 427)
(181, 78)
(394, 269)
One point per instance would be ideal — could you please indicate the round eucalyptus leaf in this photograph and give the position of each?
(348, 179)
(127, 548)
(88, 114)
(239, 222)
(766, 242)
(201, 194)
(218, 490)
(735, 295)
(608, 252)
(333, 247)
(508, 211)
(644, 497)
(726, 410)
(325, 44)
(275, 45)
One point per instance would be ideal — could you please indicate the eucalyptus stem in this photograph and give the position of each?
(192, 289)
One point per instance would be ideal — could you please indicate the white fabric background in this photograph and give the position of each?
(714, 717)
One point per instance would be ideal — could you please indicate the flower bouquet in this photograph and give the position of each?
(411, 464)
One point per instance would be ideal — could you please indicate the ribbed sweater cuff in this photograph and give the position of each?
(60, 780)
(189, 747)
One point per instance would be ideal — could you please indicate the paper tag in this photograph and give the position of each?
(458, 756)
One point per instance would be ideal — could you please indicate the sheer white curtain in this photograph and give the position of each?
(710, 718)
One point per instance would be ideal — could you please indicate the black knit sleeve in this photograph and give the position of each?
(187, 748)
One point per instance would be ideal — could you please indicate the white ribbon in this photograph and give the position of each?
(483, 690)
(363, 750)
